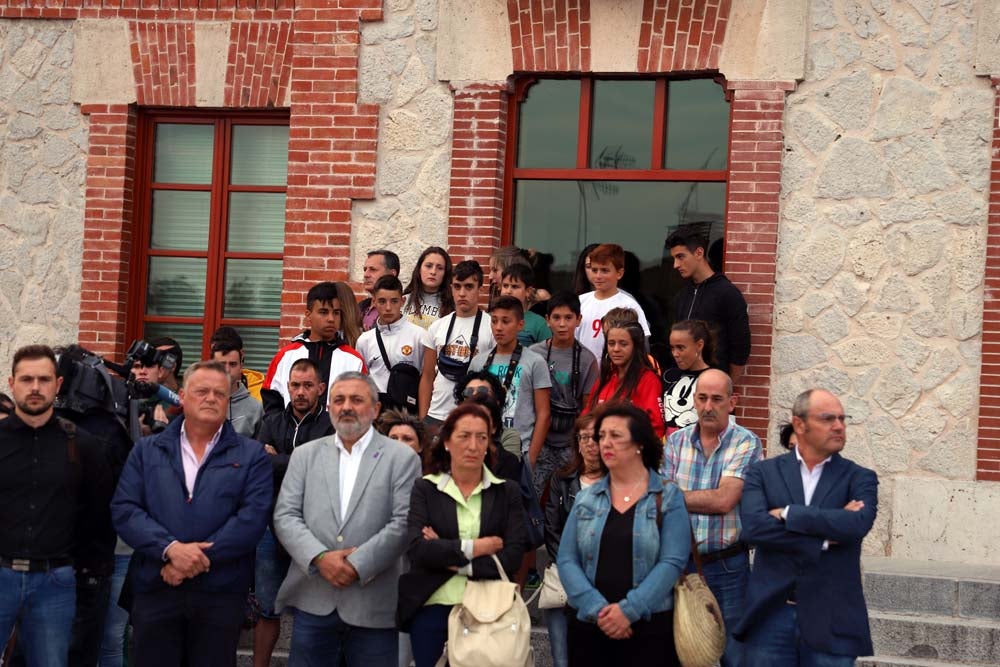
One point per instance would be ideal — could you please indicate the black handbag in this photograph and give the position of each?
(453, 369)
(534, 518)
(564, 417)
(404, 382)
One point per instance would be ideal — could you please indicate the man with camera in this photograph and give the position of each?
(55, 486)
(160, 370)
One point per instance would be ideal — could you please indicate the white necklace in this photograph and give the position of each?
(631, 488)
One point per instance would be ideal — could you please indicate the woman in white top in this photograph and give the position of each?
(428, 296)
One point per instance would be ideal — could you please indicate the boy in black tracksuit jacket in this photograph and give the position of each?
(709, 296)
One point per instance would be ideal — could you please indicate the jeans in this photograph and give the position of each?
(428, 634)
(727, 579)
(270, 569)
(45, 604)
(318, 641)
(555, 621)
(116, 622)
(775, 642)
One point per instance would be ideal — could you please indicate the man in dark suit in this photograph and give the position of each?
(807, 513)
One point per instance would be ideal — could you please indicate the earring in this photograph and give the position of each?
(446, 449)
(638, 451)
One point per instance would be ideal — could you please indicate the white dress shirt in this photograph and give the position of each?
(350, 463)
(810, 478)
(190, 461)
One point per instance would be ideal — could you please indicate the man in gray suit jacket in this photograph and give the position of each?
(341, 514)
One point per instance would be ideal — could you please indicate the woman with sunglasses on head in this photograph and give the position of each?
(428, 296)
(625, 543)
(485, 388)
(627, 375)
(582, 472)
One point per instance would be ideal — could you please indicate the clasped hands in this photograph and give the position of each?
(334, 567)
(613, 622)
(185, 560)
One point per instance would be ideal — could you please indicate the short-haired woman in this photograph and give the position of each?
(625, 544)
(460, 515)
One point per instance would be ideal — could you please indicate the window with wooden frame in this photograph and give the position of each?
(612, 160)
(210, 228)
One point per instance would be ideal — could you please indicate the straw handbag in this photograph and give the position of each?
(699, 631)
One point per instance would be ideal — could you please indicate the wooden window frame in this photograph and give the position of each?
(216, 253)
(582, 172)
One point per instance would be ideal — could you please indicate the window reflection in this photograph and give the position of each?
(621, 134)
(697, 125)
(548, 126)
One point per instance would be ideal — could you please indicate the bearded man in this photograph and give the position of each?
(345, 562)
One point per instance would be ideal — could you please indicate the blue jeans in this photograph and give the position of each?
(727, 578)
(428, 634)
(270, 570)
(116, 622)
(775, 642)
(319, 641)
(555, 621)
(44, 603)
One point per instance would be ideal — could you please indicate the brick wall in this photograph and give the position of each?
(550, 36)
(679, 35)
(988, 459)
(307, 47)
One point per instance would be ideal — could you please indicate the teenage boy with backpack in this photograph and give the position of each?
(393, 349)
(455, 340)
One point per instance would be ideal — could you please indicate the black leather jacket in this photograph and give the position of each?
(562, 493)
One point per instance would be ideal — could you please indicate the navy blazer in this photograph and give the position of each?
(831, 610)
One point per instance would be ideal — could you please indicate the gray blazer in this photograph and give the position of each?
(307, 522)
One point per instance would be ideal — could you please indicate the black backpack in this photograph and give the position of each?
(404, 382)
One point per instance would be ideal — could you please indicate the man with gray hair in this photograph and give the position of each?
(193, 502)
(346, 562)
(709, 460)
(807, 512)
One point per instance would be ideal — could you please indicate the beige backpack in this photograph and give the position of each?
(490, 628)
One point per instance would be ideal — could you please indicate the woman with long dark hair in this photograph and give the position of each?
(627, 375)
(428, 296)
(693, 349)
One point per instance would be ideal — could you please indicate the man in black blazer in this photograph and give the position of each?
(807, 513)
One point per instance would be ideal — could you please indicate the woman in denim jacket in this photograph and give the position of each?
(625, 544)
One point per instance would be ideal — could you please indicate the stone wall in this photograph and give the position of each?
(410, 210)
(43, 141)
(882, 235)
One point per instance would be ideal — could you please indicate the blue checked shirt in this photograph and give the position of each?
(684, 462)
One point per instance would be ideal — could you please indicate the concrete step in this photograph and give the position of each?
(931, 637)
(539, 644)
(908, 662)
(929, 587)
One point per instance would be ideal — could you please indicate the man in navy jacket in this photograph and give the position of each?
(807, 513)
(193, 501)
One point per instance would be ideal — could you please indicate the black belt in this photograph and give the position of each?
(34, 564)
(728, 552)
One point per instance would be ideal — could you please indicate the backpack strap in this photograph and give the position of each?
(381, 348)
(69, 428)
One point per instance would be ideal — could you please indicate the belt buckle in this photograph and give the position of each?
(20, 565)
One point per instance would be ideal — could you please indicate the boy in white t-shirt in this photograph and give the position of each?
(607, 266)
(404, 341)
(453, 344)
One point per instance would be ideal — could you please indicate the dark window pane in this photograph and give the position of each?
(176, 287)
(697, 125)
(253, 289)
(260, 155)
(561, 217)
(549, 118)
(188, 336)
(256, 222)
(183, 153)
(621, 135)
(259, 345)
(180, 220)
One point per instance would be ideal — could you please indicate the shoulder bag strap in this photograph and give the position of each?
(381, 348)
(475, 333)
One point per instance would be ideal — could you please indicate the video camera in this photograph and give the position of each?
(89, 388)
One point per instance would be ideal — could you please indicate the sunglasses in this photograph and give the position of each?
(470, 392)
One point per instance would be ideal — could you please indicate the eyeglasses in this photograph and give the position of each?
(483, 392)
(829, 418)
(585, 437)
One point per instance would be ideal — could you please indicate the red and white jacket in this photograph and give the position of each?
(332, 358)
